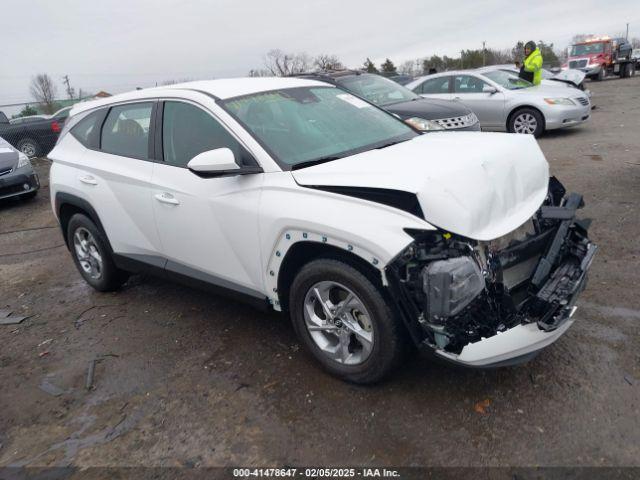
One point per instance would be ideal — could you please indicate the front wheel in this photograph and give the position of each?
(526, 121)
(345, 322)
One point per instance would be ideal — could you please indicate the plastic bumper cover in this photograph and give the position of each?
(19, 182)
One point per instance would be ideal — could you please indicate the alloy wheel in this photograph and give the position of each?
(87, 253)
(338, 322)
(525, 123)
(29, 149)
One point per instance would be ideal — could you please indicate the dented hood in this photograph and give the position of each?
(479, 185)
(571, 76)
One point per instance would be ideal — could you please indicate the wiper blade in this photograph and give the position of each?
(317, 161)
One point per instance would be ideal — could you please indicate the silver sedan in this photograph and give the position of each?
(504, 102)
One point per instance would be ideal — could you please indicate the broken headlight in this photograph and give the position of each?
(450, 285)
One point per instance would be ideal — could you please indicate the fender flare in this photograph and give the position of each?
(63, 198)
(292, 236)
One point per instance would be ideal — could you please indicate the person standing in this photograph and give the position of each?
(531, 69)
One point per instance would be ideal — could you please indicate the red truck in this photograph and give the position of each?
(602, 56)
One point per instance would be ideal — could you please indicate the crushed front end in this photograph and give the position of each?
(495, 303)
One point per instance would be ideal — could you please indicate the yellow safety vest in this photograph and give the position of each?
(533, 63)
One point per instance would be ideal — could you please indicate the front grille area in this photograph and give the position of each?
(578, 63)
(5, 172)
(583, 100)
(457, 122)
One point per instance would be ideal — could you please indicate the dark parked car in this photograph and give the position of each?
(34, 137)
(17, 178)
(423, 114)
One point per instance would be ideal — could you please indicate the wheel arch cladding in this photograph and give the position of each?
(297, 248)
(68, 205)
(524, 107)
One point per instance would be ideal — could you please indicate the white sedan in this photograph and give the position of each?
(504, 102)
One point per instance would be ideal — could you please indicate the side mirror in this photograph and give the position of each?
(489, 89)
(218, 162)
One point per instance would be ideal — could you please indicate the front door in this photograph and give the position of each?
(208, 227)
(488, 106)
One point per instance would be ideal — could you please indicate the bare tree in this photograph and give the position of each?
(44, 91)
(280, 64)
(326, 62)
(408, 67)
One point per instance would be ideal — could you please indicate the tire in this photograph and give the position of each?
(624, 71)
(375, 320)
(600, 76)
(632, 70)
(100, 272)
(526, 121)
(29, 147)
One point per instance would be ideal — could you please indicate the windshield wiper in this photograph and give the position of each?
(317, 161)
(385, 145)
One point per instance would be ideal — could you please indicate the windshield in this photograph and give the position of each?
(586, 49)
(377, 89)
(508, 80)
(303, 125)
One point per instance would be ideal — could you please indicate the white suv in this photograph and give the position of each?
(297, 195)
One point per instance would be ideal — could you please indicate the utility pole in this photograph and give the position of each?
(461, 59)
(627, 37)
(484, 59)
(70, 90)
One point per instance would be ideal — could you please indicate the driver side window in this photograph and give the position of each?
(467, 84)
(188, 130)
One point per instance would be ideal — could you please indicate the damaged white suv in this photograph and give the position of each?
(295, 194)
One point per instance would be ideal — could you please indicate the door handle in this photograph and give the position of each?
(165, 197)
(88, 179)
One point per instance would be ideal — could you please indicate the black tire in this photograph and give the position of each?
(624, 70)
(29, 147)
(600, 76)
(511, 123)
(111, 278)
(390, 336)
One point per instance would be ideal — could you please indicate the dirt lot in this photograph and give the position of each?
(186, 378)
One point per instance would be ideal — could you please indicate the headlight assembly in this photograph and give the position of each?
(423, 124)
(23, 160)
(450, 285)
(559, 101)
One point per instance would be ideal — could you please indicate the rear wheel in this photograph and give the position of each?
(29, 147)
(526, 121)
(92, 255)
(345, 322)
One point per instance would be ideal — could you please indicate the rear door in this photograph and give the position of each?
(114, 175)
(208, 226)
(488, 107)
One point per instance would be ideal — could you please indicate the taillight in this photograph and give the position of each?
(55, 127)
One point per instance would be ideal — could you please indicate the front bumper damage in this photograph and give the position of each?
(489, 304)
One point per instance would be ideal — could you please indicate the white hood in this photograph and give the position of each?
(479, 185)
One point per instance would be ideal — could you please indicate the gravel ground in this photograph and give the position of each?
(186, 378)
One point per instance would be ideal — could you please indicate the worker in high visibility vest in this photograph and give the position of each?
(531, 69)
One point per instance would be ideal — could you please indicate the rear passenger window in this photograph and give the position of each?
(435, 86)
(188, 131)
(126, 130)
(86, 131)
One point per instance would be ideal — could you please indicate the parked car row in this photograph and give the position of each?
(33, 135)
(504, 102)
(373, 232)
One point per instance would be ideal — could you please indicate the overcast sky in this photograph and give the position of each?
(118, 45)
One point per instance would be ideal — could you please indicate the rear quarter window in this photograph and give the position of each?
(87, 131)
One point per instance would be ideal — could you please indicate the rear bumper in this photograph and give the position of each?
(19, 182)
